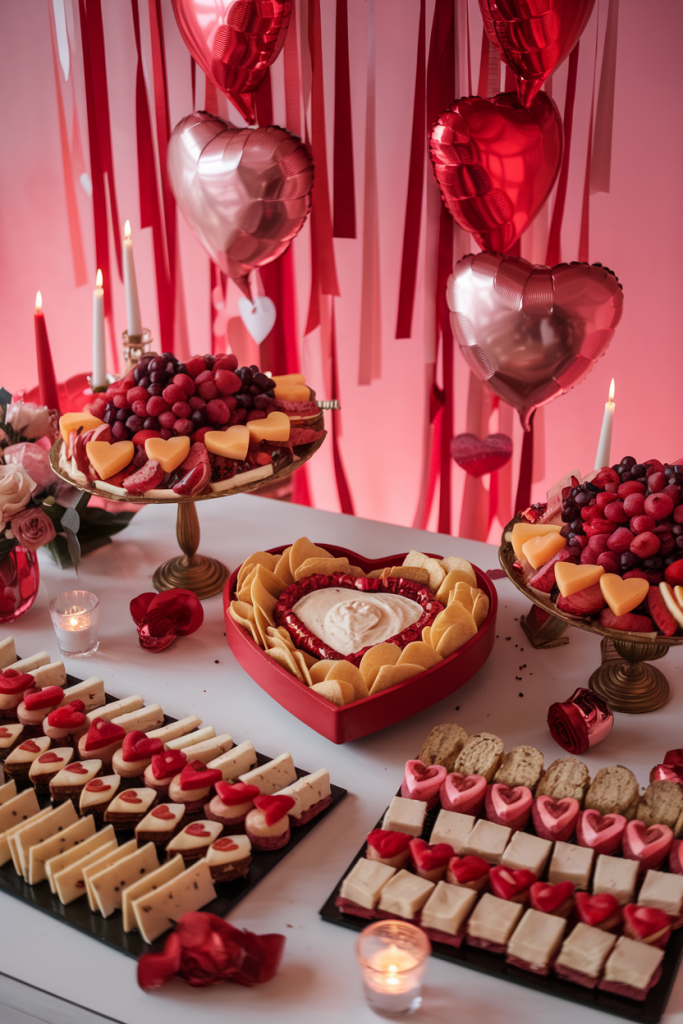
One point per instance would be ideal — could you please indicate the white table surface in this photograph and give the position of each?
(318, 980)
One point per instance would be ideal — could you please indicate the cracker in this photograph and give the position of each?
(375, 574)
(455, 637)
(390, 675)
(323, 566)
(449, 584)
(337, 691)
(285, 659)
(354, 570)
(453, 614)
(373, 660)
(319, 671)
(258, 558)
(464, 594)
(282, 568)
(416, 573)
(264, 605)
(437, 574)
(419, 653)
(350, 674)
(460, 565)
(302, 549)
(480, 610)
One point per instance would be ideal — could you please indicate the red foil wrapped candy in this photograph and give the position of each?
(580, 722)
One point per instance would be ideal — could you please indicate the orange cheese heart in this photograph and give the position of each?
(540, 549)
(623, 595)
(274, 428)
(288, 378)
(522, 532)
(169, 454)
(293, 392)
(73, 420)
(571, 578)
(109, 459)
(232, 443)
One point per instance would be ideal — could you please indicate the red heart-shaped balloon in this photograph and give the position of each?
(479, 457)
(496, 163)
(530, 332)
(533, 37)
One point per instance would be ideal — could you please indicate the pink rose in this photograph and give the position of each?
(15, 490)
(29, 419)
(32, 528)
(35, 461)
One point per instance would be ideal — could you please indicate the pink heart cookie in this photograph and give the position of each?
(601, 832)
(647, 845)
(463, 793)
(508, 805)
(423, 783)
(555, 819)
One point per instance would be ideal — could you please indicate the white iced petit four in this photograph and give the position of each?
(527, 851)
(448, 908)
(405, 894)
(584, 952)
(405, 815)
(616, 875)
(365, 881)
(453, 828)
(664, 891)
(536, 939)
(488, 841)
(492, 921)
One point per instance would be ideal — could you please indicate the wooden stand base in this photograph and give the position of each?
(203, 576)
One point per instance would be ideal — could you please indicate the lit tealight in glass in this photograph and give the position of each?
(76, 620)
(393, 957)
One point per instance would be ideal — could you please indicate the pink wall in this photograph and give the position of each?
(636, 230)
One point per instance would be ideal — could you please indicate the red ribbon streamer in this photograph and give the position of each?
(264, 100)
(445, 266)
(554, 251)
(344, 190)
(604, 116)
(411, 230)
(290, 59)
(526, 465)
(585, 206)
(343, 489)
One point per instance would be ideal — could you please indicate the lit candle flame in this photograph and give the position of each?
(39, 302)
(611, 391)
(98, 279)
(126, 230)
(73, 621)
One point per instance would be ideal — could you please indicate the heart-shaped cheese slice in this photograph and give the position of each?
(288, 378)
(169, 454)
(232, 443)
(73, 420)
(522, 532)
(293, 392)
(274, 428)
(539, 550)
(571, 578)
(623, 595)
(109, 459)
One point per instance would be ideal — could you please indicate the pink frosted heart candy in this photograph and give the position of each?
(601, 832)
(463, 793)
(555, 819)
(647, 845)
(508, 805)
(423, 783)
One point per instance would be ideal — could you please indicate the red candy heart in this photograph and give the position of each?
(167, 764)
(467, 869)
(507, 882)
(548, 898)
(101, 733)
(600, 832)
(274, 807)
(555, 819)
(138, 745)
(97, 785)
(49, 758)
(196, 775)
(129, 796)
(479, 457)
(69, 716)
(197, 830)
(388, 844)
(31, 746)
(508, 805)
(421, 782)
(12, 682)
(429, 858)
(77, 768)
(163, 812)
(48, 697)
(225, 844)
(647, 924)
(464, 793)
(237, 793)
(596, 910)
(647, 845)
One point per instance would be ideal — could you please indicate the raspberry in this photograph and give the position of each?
(167, 419)
(194, 366)
(227, 382)
(181, 410)
(174, 393)
(226, 362)
(202, 377)
(183, 427)
(208, 390)
(217, 412)
(138, 394)
(140, 407)
(184, 381)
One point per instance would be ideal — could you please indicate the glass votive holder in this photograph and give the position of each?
(76, 621)
(393, 957)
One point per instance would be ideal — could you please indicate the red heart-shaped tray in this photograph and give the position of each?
(362, 717)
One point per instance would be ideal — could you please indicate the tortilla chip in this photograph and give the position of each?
(350, 674)
(302, 549)
(389, 675)
(460, 565)
(303, 667)
(419, 653)
(373, 660)
(464, 593)
(324, 566)
(282, 568)
(480, 610)
(454, 638)
(336, 691)
(320, 669)
(427, 635)
(454, 614)
(416, 573)
(375, 574)
(450, 583)
(273, 584)
(243, 592)
(283, 633)
(354, 570)
(285, 658)
(258, 558)
(241, 612)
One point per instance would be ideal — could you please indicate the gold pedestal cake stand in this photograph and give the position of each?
(625, 680)
(203, 575)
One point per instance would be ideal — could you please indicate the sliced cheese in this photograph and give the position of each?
(308, 791)
(8, 652)
(190, 738)
(209, 750)
(69, 882)
(158, 911)
(8, 791)
(180, 728)
(29, 664)
(61, 842)
(522, 532)
(90, 691)
(56, 821)
(7, 847)
(236, 761)
(539, 550)
(171, 869)
(53, 674)
(23, 817)
(144, 719)
(109, 885)
(272, 776)
(110, 711)
(105, 862)
(95, 844)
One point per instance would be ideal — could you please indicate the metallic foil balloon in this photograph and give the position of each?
(533, 37)
(532, 333)
(495, 163)
(234, 42)
(246, 192)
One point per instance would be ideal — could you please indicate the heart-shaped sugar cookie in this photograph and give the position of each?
(555, 819)
(623, 595)
(508, 805)
(274, 427)
(462, 870)
(647, 845)
(232, 443)
(388, 844)
(170, 453)
(422, 783)
(109, 459)
(601, 832)
(463, 793)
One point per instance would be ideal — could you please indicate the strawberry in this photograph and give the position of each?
(12, 682)
(428, 858)
(274, 807)
(599, 911)
(467, 869)
(647, 924)
(631, 622)
(552, 899)
(509, 884)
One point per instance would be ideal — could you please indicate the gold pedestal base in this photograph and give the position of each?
(203, 576)
(628, 683)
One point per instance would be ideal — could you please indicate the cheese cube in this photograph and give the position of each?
(571, 863)
(406, 816)
(488, 840)
(536, 939)
(405, 894)
(663, 890)
(365, 881)
(632, 963)
(586, 950)
(493, 920)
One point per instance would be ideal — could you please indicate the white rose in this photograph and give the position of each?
(15, 490)
(28, 419)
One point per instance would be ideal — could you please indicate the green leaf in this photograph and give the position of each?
(5, 399)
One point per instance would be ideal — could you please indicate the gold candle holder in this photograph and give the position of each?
(202, 575)
(135, 346)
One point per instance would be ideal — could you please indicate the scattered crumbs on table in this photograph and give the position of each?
(497, 636)
(508, 638)
(515, 620)
(289, 926)
(521, 649)
(516, 645)
(518, 678)
(521, 694)
(216, 662)
(457, 708)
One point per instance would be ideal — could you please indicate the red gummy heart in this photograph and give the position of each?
(195, 775)
(198, 830)
(507, 882)
(169, 763)
(129, 796)
(137, 745)
(647, 924)
(77, 768)
(98, 786)
(479, 457)
(12, 681)
(388, 844)
(593, 910)
(428, 858)
(225, 844)
(274, 807)
(163, 812)
(546, 897)
(101, 733)
(69, 716)
(31, 746)
(468, 869)
(48, 697)
(49, 758)
(236, 793)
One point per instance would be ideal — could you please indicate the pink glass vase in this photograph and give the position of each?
(19, 582)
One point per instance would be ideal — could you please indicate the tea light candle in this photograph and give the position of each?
(76, 621)
(392, 956)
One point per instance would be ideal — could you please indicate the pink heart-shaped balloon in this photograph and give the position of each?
(479, 457)
(508, 805)
(496, 163)
(423, 783)
(463, 793)
(647, 845)
(245, 192)
(601, 832)
(234, 42)
(555, 819)
(532, 333)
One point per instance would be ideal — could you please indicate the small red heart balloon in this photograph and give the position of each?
(533, 37)
(496, 163)
(479, 457)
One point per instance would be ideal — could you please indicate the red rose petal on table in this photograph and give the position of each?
(45, 698)
(388, 844)
(196, 775)
(274, 807)
(154, 969)
(139, 606)
(182, 606)
(236, 793)
(171, 762)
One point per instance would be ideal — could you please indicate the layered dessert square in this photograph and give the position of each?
(526, 851)
(453, 828)
(665, 892)
(616, 875)
(535, 941)
(360, 890)
(492, 922)
(404, 815)
(571, 864)
(445, 912)
(488, 841)
(583, 955)
(632, 969)
(404, 895)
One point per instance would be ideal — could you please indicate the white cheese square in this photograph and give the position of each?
(187, 739)
(236, 762)
(52, 674)
(165, 733)
(586, 950)
(56, 821)
(406, 816)
(78, 852)
(114, 709)
(527, 851)
(69, 882)
(8, 652)
(158, 911)
(663, 890)
(405, 894)
(448, 908)
(209, 749)
(6, 838)
(308, 791)
(272, 776)
(616, 875)
(142, 719)
(493, 919)
(148, 883)
(537, 938)
(109, 884)
(7, 791)
(632, 963)
(90, 691)
(365, 881)
(571, 863)
(106, 861)
(488, 840)
(32, 663)
(453, 828)
(60, 842)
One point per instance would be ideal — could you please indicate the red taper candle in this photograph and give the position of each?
(47, 383)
